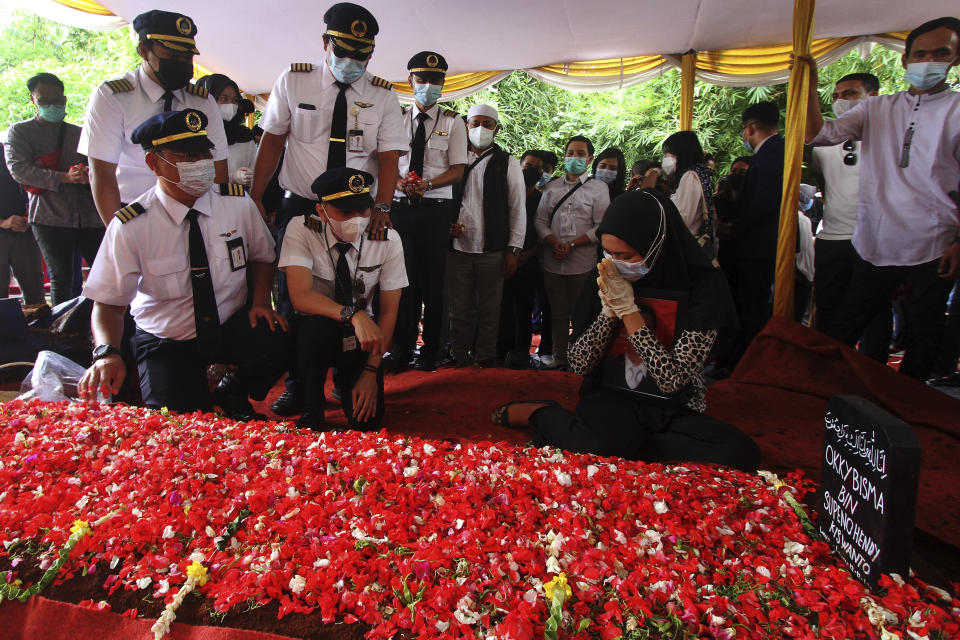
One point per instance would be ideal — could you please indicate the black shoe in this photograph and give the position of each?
(517, 360)
(425, 363)
(312, 420)
(489, 363)
(236, 406)
(287, 404)
(395, 362)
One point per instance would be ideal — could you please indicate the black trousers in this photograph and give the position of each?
(869, 292)
(60, 246)
(319, 348)
(609, 423)
(834, 261)
(516, 309)
(174, 375)
(424, 228)
(542, 305)
(754, 299)
(290, 207)
(950, 346)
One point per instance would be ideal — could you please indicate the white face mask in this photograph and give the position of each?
(841, 106)
(196, 177)
(607, 175)
(631, 271)
(669, 165)
(349, 230)
(481, 137)
(228, 111)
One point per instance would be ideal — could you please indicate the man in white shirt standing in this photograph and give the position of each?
(567, 219)
(488, 237)
(834, 255)
(118, 173)
(907, 219)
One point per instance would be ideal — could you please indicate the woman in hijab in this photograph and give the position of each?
(691, 188)
(611, 167)
(242, 146)
(659, 310)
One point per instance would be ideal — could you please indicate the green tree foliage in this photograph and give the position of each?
(83, 59)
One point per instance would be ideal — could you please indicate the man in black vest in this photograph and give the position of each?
(488, 237)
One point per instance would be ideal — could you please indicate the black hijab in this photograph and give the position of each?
(635, 217)
(236, 131)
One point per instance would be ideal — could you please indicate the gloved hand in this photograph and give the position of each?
(605, 310)
(618, 292)
(243, 176)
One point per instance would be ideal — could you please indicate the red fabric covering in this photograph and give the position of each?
(778, 395)
(32, 621)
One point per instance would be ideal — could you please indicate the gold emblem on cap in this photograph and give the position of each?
(356, 183)
(194, 123)
(184, 25)
(358, 28)
(432, 60)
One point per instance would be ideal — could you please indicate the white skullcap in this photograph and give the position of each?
(482, 110)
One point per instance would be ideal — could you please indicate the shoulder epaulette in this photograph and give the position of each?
(314, 224)
(377, 235)
(120, 85)
(380, 82)
(451, 113)
(232, 189)
(196, 90)
(129, 212)
(301, 67)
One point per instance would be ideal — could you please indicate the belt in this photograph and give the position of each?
(290, 195)
(423, 201)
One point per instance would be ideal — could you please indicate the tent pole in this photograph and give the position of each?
(783, 296)
(688, 74)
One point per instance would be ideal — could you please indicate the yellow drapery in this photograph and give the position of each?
(87, 6)
(797, 95)
(688, 77)
(455, 82)
(605, 67)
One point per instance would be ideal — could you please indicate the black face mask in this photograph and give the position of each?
(531, 175)
(174, 74)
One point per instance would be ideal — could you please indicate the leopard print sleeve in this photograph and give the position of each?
(673, 371)
(584, 354)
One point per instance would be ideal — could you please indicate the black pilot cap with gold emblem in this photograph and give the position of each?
(429, 65)
(184, 131)
(175, 31)
(344, 188)
(351, 28)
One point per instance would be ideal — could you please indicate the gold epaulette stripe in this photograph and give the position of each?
(129, 212)
(313, 224)
(377, 235)
(451, 113)
(121, 85)
(380, 82)
(299, 67)
(196, 90)
(232, 189)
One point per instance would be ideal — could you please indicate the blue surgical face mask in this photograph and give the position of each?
(747, 145)
(52, 112)
(631, 271)
(575, 166)
(427, 94)
(607, 175)
(346, 70)
(544, 179)
(926, 75)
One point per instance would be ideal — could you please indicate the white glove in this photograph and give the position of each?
(243, 176)
(605, 310)
(618, 292)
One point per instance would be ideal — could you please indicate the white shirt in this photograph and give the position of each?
(446, 139)
(242, 154)
(841, 186)
(380, 261)
(112, 117)
(905, 215)
(690, 201)
(372, 109)
(145, 262)
(471, 210)
(579, 214)
(806, 252)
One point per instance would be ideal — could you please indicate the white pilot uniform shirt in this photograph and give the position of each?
(446, 139)
(112, 116)
(301, 107)
(381, 261)
(145, 262)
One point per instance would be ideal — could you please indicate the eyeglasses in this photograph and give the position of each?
(52, 103)
(850, 158)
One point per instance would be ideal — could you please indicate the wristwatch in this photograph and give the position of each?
(382, 206)
(515, 250)
(104, 350)
(429, 185)
(573, 245)
(346, 314)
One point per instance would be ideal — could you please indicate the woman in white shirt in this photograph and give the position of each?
(692, 190)
(242, 146)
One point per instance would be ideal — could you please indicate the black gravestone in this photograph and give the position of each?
(868, 488)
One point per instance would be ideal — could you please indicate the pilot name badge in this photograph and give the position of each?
(355, 140)
(237, 253)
